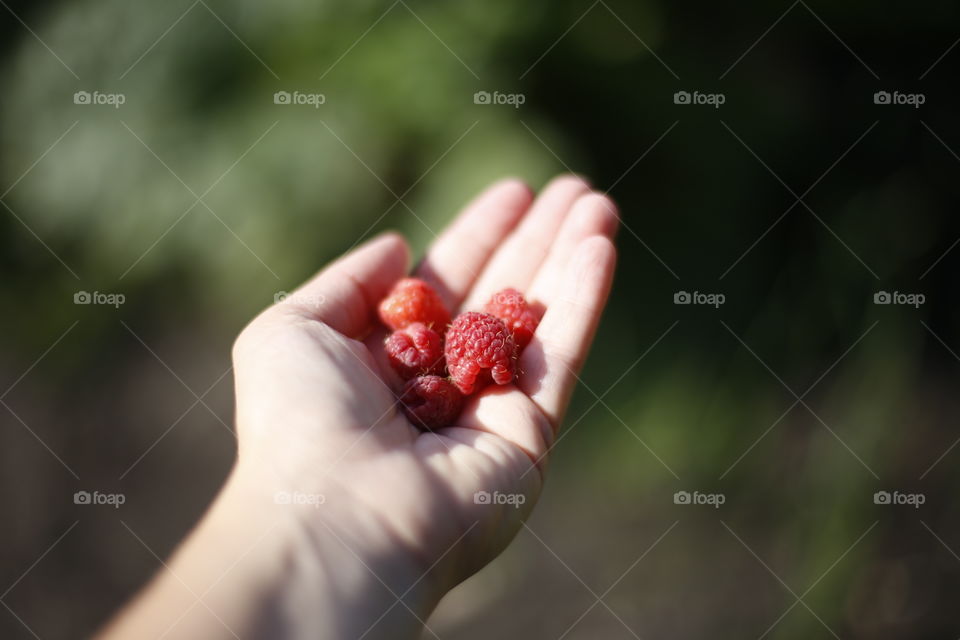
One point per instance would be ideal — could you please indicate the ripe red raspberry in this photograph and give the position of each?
(521, 319)
(415, 350)
(479, 347)
(413, 300)
(431, 402)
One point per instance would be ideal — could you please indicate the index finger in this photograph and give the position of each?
(345, 293)
(457, 257)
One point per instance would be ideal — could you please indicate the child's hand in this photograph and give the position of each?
(317, 419)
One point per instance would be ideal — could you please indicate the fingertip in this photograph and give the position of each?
(392, 241)
(510, 194)
(513, 186)
(596, 213)
(394, 247)
(562, 191)
(388, 236)
(574, 180)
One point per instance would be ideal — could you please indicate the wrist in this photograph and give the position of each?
(329, 569)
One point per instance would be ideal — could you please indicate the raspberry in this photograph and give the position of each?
(415, 350)
(413, 300)
(431, 402)
(479, 347)
(521, 319)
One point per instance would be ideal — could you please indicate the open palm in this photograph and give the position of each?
(316, 401)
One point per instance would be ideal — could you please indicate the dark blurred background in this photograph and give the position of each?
(799, 199)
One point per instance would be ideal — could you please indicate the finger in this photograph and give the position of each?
(550, 363)
(508, 413)
(592, 214)
(345, 294)
(458, 256)
(516, 262)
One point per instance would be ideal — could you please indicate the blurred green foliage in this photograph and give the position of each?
(400, 143)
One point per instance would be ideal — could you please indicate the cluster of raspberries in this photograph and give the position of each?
(442, 360)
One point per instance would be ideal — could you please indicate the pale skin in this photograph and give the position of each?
(382, 519)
